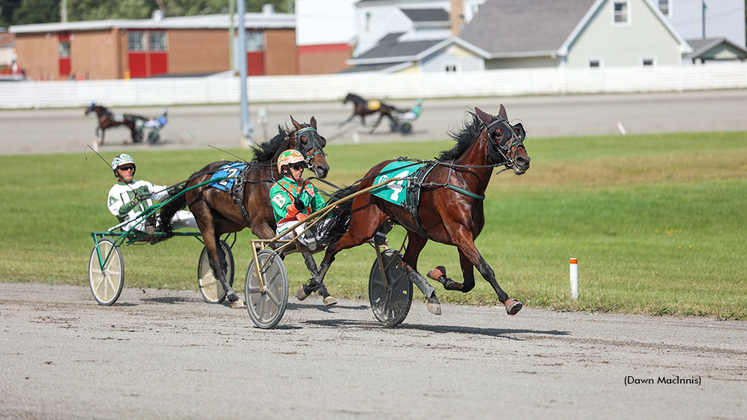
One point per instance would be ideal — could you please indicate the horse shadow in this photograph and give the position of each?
(438, 329)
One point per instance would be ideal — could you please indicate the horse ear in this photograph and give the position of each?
(313, 121)
(484, 116)
(296, 124)
(502, 112)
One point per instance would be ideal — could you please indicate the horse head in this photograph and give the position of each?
(90, 108)
(306, 139)
(505, 141)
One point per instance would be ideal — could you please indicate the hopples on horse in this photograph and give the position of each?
(219, 211)
(450, 209)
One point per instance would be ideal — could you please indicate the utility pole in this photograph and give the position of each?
(704, 19)
(246, 127)
(63, 11)
(231, 33)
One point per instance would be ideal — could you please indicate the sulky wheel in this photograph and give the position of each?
(406, 128)
(266, 308)
(390, 305)
(210, 287)
(106, 284)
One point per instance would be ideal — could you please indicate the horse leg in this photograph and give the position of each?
(103, 132)
(376, 124)
(468, 273)
(467, 248)
(347, 121)
(316, 283)
(415, 244)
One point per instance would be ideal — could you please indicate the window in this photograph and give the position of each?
(648, 62)
(157, 41)
(595, 63)
(255, 41)
(621, 13)
(451, 68)
(665, 7)
(367, 23)
(136, 40)
(64, 49)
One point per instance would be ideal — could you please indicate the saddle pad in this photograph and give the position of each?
(373, 105)
(394, 192)
(230, 172)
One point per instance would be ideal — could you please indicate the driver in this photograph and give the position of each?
(128, 198)
(294, 198)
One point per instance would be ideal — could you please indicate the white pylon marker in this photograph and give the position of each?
(574, 278)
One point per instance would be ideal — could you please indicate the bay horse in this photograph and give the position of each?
(450, 209)
(362, 108)
(218, 212)
(107, 119)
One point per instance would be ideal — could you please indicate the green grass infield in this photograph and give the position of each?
(657, 223)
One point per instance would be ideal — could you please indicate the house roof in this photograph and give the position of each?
(427, 15)
(520, 28)
(251, 20)
(704, 48)
(390, 50)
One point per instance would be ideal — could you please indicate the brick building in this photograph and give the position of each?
(179, 46)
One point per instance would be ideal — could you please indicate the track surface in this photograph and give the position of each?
(166, 354)
(67, 130)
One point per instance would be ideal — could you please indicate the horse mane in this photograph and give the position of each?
(464, 138)
(266, 151)
(354, 98)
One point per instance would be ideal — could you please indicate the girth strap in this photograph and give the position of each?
(237, 192)
(413, 196)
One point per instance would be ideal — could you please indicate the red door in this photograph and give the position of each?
(159, 63)
(138, 64)
(255, 63)
(64, 53)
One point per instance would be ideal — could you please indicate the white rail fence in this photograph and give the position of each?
(222, 90)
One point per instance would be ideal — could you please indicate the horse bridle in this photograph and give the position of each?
(512, 136)
(314, 144)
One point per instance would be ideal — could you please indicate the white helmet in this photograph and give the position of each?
(120, 160)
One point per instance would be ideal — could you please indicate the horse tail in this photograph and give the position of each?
(169, 209)
(338, 222)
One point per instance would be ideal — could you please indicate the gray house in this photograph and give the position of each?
(505, 34)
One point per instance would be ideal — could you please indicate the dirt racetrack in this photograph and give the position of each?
(165, 354)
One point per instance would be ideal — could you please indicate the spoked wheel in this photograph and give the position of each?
(210, 287)
(390, 305)
(266, 308)
(106, 284)
(406, 128)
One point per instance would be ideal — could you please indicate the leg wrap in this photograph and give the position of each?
(422, 284)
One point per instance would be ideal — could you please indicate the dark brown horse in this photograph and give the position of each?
(219, 211)
(107, 119)
(450, 209)
(362, 108)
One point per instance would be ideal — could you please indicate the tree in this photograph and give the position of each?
(20, 12)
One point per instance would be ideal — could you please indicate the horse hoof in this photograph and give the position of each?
(434, 306)
(238, 304)
(513, 306)
(437, 272)
(329, 301)
(301, 293)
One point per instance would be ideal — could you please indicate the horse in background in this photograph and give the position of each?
(247, 204)
(363, 107)
(107, 119)
(448, 193)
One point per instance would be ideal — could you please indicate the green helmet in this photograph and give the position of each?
(120, 160)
